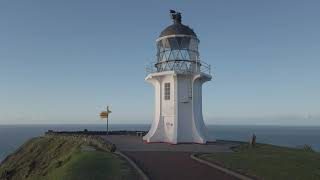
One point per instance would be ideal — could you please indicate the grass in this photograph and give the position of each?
(93, 165)
(270, 162)
(55, 158)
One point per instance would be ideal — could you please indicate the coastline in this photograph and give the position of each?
(223, 156)
(288, 136)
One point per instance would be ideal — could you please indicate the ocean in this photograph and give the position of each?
(13, 136)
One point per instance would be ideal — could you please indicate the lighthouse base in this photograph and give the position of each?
(178, 108)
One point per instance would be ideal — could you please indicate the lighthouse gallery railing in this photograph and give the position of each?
(179, 66)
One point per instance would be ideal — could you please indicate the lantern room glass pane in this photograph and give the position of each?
(173, 43)
(177, 48)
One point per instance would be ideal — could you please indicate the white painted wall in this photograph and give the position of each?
(178, 120)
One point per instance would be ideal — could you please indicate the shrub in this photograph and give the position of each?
(112, 148)
(306, 148)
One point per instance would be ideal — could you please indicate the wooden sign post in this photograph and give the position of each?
(105, 115)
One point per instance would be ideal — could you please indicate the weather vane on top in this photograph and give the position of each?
(104, 115)
(176, 16)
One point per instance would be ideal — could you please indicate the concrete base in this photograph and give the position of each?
(178, 108)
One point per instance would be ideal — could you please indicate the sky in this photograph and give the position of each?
(65, 61)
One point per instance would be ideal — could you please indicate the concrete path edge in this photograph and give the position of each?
(227, 171)
(134, 165)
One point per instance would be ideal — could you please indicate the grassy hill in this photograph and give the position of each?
(62, 157)
(270, 162)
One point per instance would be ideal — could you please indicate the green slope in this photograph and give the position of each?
(270, 162)
(55, 157)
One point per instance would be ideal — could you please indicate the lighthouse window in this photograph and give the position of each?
(166, 91)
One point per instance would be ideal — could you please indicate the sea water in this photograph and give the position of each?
(13, 136)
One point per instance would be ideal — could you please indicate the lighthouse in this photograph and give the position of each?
(177, 77)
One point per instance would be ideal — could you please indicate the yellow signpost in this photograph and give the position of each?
(104, 115)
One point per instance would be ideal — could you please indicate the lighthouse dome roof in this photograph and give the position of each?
(177, 28)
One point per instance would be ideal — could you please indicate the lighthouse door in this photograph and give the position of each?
(185, 90)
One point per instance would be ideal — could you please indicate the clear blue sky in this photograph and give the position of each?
(64, 61)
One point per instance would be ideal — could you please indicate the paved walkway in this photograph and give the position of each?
(135, 143)
(161, 161)
(163, 165)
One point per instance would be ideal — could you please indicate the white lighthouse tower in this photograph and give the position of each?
(177, 76)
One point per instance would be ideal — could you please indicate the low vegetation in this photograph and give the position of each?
(307, 148)
(55, 157)
(270, 162)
